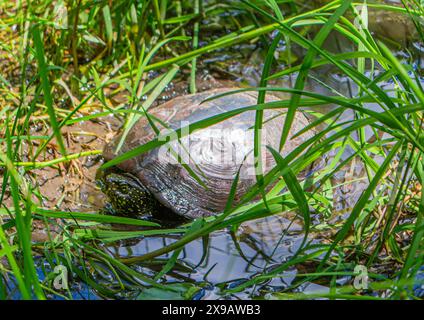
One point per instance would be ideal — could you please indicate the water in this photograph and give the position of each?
(225, 257)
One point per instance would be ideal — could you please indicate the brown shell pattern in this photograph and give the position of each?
(215, 153)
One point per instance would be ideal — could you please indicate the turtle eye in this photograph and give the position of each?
(123, 187)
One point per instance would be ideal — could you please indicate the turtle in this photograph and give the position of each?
(192, 176)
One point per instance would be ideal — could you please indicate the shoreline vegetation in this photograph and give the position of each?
(74, 73)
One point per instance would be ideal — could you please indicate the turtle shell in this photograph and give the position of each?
(214, 154)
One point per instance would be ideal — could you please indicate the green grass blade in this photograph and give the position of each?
(101, 218)
(43, 71)
(306, 66)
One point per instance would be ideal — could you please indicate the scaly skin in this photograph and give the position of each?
(127, 195)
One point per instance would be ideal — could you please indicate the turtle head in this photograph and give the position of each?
(127, 195)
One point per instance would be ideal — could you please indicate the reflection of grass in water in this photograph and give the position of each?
(110, 50)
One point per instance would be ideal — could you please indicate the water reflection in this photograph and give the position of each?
(226, 256)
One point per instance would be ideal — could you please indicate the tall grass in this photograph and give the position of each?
(77, 56)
